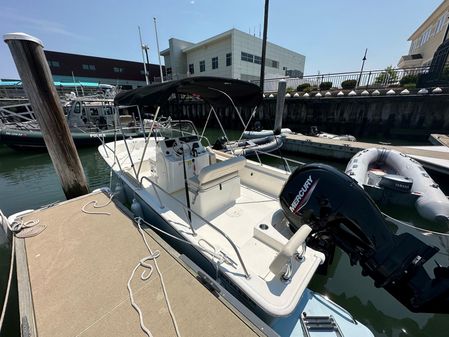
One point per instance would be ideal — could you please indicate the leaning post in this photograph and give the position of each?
(27, 52)
(280, 100)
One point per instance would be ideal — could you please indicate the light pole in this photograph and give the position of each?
(264, 45)
(361, 70)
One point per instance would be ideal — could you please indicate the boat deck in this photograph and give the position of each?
(72, 279)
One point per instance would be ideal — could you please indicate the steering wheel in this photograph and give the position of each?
(178, 148)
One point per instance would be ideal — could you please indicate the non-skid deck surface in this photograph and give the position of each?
(79, 269)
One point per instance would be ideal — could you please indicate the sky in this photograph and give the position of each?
(331, 34)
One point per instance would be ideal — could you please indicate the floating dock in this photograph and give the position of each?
(432, 157)
(439, 139)
(72, 279)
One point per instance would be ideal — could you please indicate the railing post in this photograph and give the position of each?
(27, 52)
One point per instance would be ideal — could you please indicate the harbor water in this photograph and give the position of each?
(28, 181)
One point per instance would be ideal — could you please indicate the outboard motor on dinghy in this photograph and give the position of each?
(342, 214)
(220, 143)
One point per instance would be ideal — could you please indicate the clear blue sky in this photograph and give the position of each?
(331, 34)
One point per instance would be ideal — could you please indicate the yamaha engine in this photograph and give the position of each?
(342, 214)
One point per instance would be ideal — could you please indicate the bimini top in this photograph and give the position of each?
(214, 90)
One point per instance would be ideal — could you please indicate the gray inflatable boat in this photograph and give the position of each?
(392, 177)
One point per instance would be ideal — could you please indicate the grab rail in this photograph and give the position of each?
(200, 217)
(286, 160)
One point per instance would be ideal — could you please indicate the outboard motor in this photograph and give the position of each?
(342, 214)
(220, 143)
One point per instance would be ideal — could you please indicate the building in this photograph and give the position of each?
(126, 74)
(426, 39)
(232, 54)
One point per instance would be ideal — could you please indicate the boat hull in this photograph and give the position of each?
(33, 140)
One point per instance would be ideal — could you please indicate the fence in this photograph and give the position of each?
(365, 79)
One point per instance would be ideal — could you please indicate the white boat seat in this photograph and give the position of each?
(217, 173)
(216, 187)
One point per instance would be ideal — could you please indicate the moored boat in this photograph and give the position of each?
(92, 121)
(226, 211)
(392, 177)
(250, 147)
(264, 133)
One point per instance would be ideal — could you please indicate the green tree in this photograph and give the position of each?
(387, 76)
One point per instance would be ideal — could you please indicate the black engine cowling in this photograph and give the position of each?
(341, 213)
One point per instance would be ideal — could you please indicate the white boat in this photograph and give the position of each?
(264, 133)
(250, 147)
(226, 211)
(393, 177)
(320, 134)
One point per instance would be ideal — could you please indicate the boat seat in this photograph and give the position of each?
(216, 187)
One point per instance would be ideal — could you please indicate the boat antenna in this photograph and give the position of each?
(158, 52)
(142, 48)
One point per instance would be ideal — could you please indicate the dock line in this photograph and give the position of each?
(11, 269)
(153, 256)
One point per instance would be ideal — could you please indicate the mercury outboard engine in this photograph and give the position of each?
(342, 214)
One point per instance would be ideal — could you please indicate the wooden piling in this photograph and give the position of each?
(280, 100)
(27, 52)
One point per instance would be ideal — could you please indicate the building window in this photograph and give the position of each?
(228, 59)
(118, 70)
(54, 64)
(247, 57)
(202, 66)
(257, 59)
(191, 69)
(274, 64)
(214, 62)
(88, 67)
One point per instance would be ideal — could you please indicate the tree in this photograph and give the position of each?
(387, 76)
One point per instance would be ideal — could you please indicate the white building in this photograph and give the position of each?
(427, 38)
(233, 54)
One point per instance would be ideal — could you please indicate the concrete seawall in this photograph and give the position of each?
(411, 117)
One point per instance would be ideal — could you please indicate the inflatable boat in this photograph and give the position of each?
(320, 134)
(263, 133)
(249, 147)
(392, 177)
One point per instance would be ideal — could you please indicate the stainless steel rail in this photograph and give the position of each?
(188, 209)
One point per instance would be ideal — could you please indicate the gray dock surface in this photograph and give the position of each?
(72, 279)
(340, 149)
(439, 139)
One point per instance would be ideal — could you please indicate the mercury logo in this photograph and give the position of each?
(303, 195)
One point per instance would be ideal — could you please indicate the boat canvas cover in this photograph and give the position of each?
(213, 90)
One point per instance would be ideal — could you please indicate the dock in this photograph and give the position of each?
(439, 139)
(435, 158)
(72, 279)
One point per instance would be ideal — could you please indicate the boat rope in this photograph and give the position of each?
(4, 221)
(145, 276)
(95, 205)
(26, 229)
(8, 286)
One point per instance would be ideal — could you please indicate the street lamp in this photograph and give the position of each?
(361, 70)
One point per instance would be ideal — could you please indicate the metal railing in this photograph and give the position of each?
(365, 79)
(188, 209)
(285, 160)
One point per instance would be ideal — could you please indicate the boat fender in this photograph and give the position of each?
(119, 193)
(136, 208)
